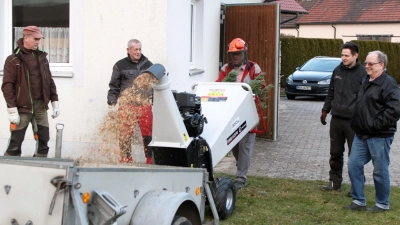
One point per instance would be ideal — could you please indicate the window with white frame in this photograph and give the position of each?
(192, 33)
(53, 19)
(374, 37)
(196, 38)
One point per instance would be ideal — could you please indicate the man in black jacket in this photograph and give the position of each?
(340, 102)
(125, 71)
(374, 122)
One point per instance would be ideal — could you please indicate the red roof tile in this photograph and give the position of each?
(291, 6)
(353, 11)
(306, 4)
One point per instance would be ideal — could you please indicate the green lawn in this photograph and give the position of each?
(285, 201)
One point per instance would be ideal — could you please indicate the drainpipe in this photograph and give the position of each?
(297, 29)
(297, 15)
(334, 32)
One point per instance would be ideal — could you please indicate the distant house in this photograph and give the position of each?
(289, 26)
(351, 20)
(291, 11)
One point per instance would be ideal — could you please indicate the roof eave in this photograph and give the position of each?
(352, 22)
(292, 12)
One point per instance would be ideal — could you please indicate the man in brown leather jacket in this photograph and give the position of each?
(28, 87)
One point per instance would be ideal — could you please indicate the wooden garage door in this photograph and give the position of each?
(258, 25)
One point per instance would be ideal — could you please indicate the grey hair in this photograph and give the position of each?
(133, 41)
(382, 57)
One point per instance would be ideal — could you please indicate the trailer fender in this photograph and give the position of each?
(160, 207)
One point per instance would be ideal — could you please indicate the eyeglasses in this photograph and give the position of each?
(370, 63)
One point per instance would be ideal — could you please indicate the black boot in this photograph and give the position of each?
(332, 187)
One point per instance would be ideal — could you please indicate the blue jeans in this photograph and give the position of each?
(363, 151)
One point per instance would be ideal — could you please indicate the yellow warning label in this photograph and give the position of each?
(185, 137)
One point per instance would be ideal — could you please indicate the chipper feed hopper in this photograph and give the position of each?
(198, 129)
(192, 132)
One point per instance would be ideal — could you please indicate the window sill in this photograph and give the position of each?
(56, 72)
(193, 72)
(62, 71)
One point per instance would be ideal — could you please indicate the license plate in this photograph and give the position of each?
(303, 87)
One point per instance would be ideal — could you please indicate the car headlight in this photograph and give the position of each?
(327, 81)
(289, 80)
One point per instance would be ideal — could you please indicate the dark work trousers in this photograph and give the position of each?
(340, 132)
(40, 127)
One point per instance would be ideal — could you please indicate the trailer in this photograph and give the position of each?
(58, 191)
(186, 143)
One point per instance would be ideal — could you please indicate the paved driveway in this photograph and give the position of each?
(302, 148)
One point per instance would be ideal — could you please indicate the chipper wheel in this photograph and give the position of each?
(224, 195)
(180, 220)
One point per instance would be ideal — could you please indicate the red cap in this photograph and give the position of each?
(33, 30)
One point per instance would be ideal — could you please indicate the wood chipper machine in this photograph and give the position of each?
(192, 132)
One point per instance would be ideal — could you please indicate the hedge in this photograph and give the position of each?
(392, 50)
(296, 51)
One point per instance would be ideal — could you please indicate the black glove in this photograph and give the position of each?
(323, 117)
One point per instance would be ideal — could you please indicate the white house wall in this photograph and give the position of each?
(99, 32)
(343, 31)
(289, 31)
(178, 42)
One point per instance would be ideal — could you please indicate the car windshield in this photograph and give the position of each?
(324, 65)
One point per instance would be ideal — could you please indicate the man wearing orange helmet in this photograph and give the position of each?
(247, 71)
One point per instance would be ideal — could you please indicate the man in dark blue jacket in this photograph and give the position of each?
(340, 102)
(374, 122)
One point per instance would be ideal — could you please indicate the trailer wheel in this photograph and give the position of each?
(180, 220)
(224, 195)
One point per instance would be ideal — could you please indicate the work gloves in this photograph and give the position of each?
(13, 115)
(323, 117)
(56, 109)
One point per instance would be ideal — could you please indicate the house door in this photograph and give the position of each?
(258, 25)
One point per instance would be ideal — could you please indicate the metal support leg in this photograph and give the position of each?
(212, 204)
(59, 128)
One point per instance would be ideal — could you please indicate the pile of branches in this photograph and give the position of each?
(257, 85)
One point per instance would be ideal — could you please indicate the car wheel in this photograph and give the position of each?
(224, 195)
(290, 96)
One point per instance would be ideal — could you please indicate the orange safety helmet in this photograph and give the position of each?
(237, 45)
